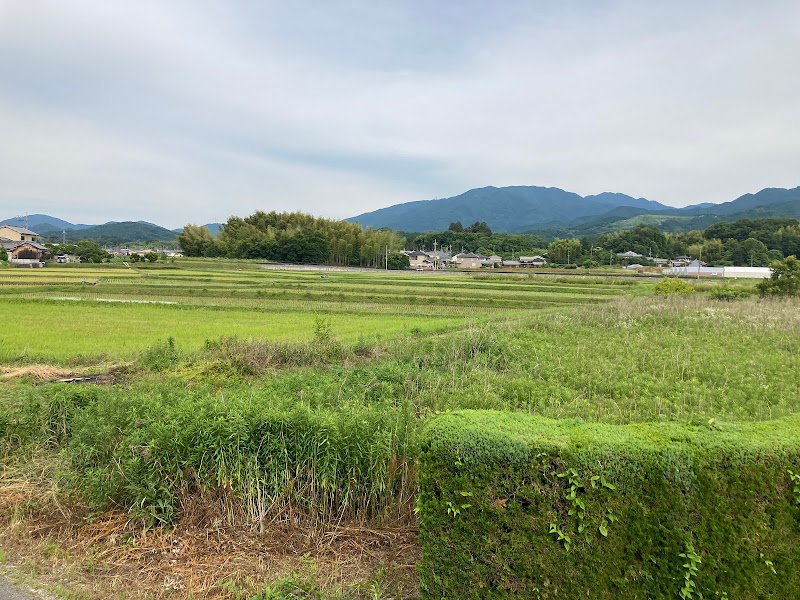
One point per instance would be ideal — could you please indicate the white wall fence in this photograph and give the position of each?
(731, 272)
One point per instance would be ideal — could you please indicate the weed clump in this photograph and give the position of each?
(673, 285)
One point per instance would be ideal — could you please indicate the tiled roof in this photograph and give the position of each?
(20, 230)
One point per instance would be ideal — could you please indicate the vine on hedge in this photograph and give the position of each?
(690, 569)
(576, 496)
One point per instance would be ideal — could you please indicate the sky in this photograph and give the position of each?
(190, 111)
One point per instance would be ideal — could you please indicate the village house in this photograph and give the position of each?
(418, 260)
(22, 246)
(532, 261)
(468, 260)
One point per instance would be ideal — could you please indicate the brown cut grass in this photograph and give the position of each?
(107, 555)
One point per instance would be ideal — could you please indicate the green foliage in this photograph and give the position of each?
(43, 416)
(785, 279)
(691, 569)
(160, 356)
(562, 509)
(87, 251)
(262, 459)
(564, 251)
(3, 254)
(673, 285)
(479, 227)
(728, 294)
(294, 238)
(398, 261)
(196, 241)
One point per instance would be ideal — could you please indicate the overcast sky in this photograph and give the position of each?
(176, 111)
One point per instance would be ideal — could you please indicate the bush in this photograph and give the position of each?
(729, 295)
(518, 506)
(673, 285)
(785, 279)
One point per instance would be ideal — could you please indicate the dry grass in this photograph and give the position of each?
(102, 556)
(38, 372)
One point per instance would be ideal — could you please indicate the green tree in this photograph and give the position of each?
(3, 254)
(398, 261)
(456, 227)
(785, 279)
(195, 240)
(563, 251)
(88, 251)
(479, 227)
(151, 257)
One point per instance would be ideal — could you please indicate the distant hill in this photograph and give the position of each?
(53, 229)
(552, 211)
(505, 209)
(41, 223)
(114, 233)
(766, 197)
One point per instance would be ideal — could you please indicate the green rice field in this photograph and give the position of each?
(62, 312)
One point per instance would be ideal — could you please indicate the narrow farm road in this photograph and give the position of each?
(8, 592)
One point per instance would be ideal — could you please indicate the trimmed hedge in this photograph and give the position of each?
(519, 506)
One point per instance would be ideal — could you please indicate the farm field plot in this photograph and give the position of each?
(56, 313)
(289, 412)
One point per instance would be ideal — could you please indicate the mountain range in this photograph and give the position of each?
(554, 211)
(548, 211)
(114, 232)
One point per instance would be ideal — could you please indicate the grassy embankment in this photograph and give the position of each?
(315, 423)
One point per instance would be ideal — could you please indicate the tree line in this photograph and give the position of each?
(294, 237)
(300, 238)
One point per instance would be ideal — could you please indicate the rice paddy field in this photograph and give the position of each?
(279, 413)
(59, 313)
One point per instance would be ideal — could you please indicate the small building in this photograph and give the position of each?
(440, 258)
(22, 247)
(629, 254)
(513, 264)
(26, 254)
(493, 261)
(18, 234)
(634, 267)
(467, 260)
(532, 261)
(418, 259)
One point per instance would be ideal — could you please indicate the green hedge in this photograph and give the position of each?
(518, 506)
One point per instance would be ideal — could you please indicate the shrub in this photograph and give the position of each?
(785, 279)
(161, 356)
(673, 285)
(729, 295)
(518, 506)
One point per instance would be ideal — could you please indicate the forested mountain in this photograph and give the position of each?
(552, 211)
(515, 208)
(42, 223)
(113, 233)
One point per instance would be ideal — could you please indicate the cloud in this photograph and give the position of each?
(190, 111)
